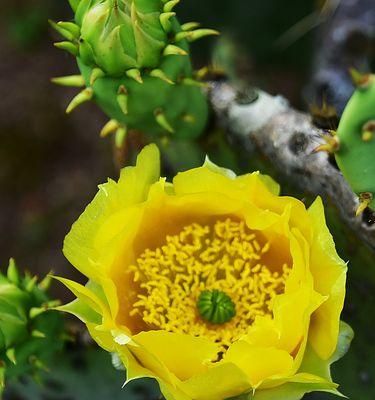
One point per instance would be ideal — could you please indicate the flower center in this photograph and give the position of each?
(207, 281)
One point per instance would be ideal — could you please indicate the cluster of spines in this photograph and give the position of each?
(332, 142)
(71, 32)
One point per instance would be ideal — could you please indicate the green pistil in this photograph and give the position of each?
(216, 306)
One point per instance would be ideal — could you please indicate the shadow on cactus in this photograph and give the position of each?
(30, 333)
(133, 56)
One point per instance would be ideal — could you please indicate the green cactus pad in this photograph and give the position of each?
(133, 56)
(29, 333)
(356, 134)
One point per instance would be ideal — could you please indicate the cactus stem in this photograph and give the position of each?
(368, 131)
(331, 145)
(135, 74)
(365, 199)
(122, 99)
(96, 74)
(164, 20)
(121, 136)
(189, 26)
(81, 98)
(169, 5)
(172, 50)
(161, 119)
(71, 81)
(362, 81)
(110, 127)
(191, 36)
(158, 73)
(68, 46)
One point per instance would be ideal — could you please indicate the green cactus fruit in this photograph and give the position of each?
(29, 333)
(133, 56)
(356, 141)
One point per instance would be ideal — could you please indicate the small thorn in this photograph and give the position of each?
(359, 79)
(12, 272)
(191, 36)
(367, 136)
(11, 354)
(202, 73)
(365, 199)
(37, 334)
(71, 81)
(368, 131)
(161, 119)
(135, 74)
(121, 136)
(172, 50)
(62, 31)
(169, 5)
(122, 99)
(193, 82)
(111, 126)
(37, 363)
(96, 74)
(81, 98)
(31, 284)
(71, 27)
(45, 284)
(68, 46)
(165, 20)
(35, 311)
(188, 118)
(189, 26)
(331, 145)
(158, 73)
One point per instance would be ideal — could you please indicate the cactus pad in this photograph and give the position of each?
(29, 333)
(356, 141)
(133, 56)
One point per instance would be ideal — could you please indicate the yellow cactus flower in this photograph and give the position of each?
(213, 284)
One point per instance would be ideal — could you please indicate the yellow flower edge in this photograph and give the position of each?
(149, 249)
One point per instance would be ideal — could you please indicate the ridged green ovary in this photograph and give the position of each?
(356, 133)
(133, 56)
(29, 333)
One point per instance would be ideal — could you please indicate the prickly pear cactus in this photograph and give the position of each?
(355, 148)
(29, 333)
(133, 56)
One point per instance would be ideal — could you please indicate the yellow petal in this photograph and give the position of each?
(85, 295)
(81, 246)
(329, 272)
(218, 383)
(183, 355)
(259, 363)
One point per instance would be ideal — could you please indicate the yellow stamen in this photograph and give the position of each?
(226, 257)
